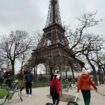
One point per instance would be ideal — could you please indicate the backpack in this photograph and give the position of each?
(53, 90)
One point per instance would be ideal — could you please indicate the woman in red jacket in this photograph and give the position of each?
(84, 84)
(56, 82)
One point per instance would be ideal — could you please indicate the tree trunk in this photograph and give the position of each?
(94, 70)
(51, 73)
(66, 74)
(72, 70)
(72, 73)
(101, 76)
(46, 71)
(36, 74)
(13, 70)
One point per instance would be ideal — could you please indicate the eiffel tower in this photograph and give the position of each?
(53, 49)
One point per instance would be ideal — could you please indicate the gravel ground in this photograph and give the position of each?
(39, 97)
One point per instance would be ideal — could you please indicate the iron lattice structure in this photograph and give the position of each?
(53, 13)
(53, 49)
(53, 31)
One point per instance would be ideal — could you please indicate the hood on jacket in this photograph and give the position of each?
(85, 76)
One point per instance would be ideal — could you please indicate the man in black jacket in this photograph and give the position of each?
(28, 81)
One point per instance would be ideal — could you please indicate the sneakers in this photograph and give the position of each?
(28, 95)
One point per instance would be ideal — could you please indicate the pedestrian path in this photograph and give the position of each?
(39, 97)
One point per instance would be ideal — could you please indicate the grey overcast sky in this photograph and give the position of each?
(31, 15)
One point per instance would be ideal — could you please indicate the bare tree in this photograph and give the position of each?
(75, 37)
(100, 62)
(92, 45)
(83, 43)
(36, 39)
(14, 46)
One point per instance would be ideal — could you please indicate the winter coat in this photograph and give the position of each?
(85, 83)
(28, 78)
(57, 84)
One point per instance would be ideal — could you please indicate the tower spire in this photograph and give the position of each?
(53, 13)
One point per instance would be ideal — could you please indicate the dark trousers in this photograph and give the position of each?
(56, 99)
(9, 83)
(86, 96)
(28, 88)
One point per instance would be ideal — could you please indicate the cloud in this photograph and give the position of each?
(31, 15)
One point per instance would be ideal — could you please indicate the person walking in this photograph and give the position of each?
(57, 84)
(84, 84)
(28, 83)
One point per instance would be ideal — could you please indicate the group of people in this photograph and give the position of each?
(10, 80)
(84, 84)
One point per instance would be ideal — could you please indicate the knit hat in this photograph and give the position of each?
(55, 74)
(58, 77)
(84, 71)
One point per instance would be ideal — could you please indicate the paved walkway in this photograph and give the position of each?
(39, 97)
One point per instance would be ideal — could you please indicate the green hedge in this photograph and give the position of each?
(42, 83)
(3, 92)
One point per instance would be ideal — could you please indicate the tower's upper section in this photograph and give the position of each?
(53, 14)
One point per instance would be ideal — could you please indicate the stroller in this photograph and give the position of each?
(73, 102)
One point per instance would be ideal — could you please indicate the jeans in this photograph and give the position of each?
(86, 96)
